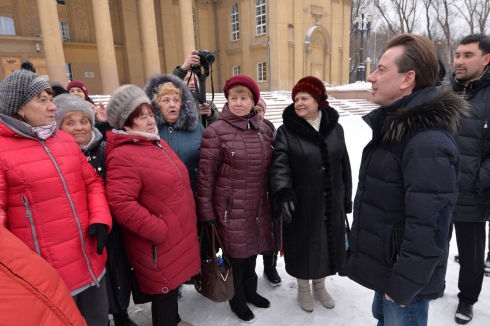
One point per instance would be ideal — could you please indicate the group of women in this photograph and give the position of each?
(163, 172)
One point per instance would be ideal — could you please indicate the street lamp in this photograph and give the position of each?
(362, 24)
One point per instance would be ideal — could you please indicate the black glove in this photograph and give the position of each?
(211, 223)
(287, 208)
(100, 231)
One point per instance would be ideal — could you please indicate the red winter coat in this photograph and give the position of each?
(32, 292)
(49, 196)
(232, 184)
(150, 196)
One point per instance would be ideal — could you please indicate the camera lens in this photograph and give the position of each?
(206, 57)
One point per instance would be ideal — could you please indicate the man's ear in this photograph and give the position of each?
(486, 60)
(408, 80)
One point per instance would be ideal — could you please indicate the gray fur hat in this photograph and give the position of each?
(123, 102)
(18, 88)
(68, 103)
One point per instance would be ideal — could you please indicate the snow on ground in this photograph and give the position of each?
(352, 301)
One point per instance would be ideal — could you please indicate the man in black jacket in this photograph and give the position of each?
(407, 185)
(471, 79)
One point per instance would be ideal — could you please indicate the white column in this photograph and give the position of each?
(151, 55)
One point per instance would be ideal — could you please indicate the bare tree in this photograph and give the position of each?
(468, 11)
(405, 12)
(445, 16)
(428, 15)
(482, 15)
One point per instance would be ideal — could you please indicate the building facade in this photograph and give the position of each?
(107, 43)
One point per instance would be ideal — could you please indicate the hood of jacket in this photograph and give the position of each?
(116, 138)
(18, 127)
(96, 143)
(292, 121)
(473, 86)
(250, 121)
(425, 109)
(188, 117)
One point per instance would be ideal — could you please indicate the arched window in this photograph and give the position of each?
(260, 17)
(235, 25)
(7, 26)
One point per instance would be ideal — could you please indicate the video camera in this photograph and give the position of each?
(202, 71)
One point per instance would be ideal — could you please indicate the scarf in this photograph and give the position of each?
(44, 132)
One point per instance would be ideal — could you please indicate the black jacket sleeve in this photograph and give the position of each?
(280, 170)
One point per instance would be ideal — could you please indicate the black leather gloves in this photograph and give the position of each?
(287, 209)
(100, 231)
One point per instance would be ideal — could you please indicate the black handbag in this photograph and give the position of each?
(214, 281)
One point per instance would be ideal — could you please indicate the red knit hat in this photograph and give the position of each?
(315, 88)
(78, 84)
(243, 81)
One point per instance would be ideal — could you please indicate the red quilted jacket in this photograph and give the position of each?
(150, 196)
(49, 196)
(232, 184)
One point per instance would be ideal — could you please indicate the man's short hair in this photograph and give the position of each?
(483, 42)
(419, 56)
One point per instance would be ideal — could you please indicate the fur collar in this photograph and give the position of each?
(442, 111)
(295, 123)
(189, 117)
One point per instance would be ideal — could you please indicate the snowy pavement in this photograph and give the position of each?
(352, 301)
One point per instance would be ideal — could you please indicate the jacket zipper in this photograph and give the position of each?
(31, 222)
(261, 186)
(80, 233)
(227, 207)
(170, 130)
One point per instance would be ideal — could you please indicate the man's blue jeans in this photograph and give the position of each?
(389, 313)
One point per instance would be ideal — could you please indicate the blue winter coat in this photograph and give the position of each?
(406, 192)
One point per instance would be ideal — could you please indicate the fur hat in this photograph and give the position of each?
(58, 88)
(68, 103)
(243, 81)
(123, 102)
(18, 88)
(78, 84)
(261, 102)
(315, 88)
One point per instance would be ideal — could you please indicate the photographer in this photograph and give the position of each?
(208, 109)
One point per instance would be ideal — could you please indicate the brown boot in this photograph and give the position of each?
(322, 294)
(304, 295)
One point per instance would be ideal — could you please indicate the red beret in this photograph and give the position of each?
(315, 88)
(78, 84)
(243, 81)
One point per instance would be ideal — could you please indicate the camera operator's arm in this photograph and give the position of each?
(210, 111)
(192, 59)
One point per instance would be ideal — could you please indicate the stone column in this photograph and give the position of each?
(151, 55)
(368, 67)
(186, 26)
(105, 46)
(53, 47)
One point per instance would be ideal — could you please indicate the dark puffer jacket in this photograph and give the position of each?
(473, 140)
(407, 190)
(183, 136)
(312, 169)
(232, 183)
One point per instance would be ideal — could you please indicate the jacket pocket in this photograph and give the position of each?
(228, 202)
(31, 224)
(396, 242)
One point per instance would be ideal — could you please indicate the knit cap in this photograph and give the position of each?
(18, 88)
(243, 81)
(123, 102)
(78, 84)
(261, 102)
(315, 88)
(68, 103)
(57, 88)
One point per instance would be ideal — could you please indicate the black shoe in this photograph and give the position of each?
(487, 267)
(123, 319)
(464, 313)
(456, 258)
(270, 271)
(244, 313)
(259, 301)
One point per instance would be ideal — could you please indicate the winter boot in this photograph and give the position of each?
(464, 313)
(244, 313)
(258, 301)
(123, 319)
(322, 294)
(304, 295)
(487, 266)
(270, 271)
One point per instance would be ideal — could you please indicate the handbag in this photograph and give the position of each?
(214, 281)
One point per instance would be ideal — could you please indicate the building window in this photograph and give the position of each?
(193, 16)
(235, 25)
(61, 2)
(7, 26)
(69, 72)
(236, 70)
(261, 71)
(260, 17)
(65, 34)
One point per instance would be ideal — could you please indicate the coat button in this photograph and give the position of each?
(99, 169)
(324, 193)
(323, 168)
(165, 289)
(94, 157)
(325, 217)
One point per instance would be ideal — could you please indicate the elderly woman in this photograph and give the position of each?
(177, 120)
(47, 186)
(150, 196)
(311, 181)
(75, 117)
(232, 188)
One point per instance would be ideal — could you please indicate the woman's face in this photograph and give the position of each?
(260, 111)
(77, 91)
(169, 105)
(306, 106)
(39, 111)
(144, 123)
(78, 125)
(240, 103)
